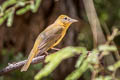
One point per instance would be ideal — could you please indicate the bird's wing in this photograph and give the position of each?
(51, 37)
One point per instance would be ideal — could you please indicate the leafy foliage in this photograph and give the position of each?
(24, 5)
(87, 60)
(55, 59)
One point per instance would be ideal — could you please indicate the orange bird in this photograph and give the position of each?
(49, 38)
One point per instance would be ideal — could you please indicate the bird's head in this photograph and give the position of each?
(65, 20)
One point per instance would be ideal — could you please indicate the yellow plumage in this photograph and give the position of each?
(49, 38)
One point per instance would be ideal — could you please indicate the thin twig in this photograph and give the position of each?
(17, 65)
(110, 38)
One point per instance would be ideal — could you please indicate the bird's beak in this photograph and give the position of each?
(73, 20)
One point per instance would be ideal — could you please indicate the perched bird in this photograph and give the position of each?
(49, 38)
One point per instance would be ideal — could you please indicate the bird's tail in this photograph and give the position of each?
(29, 60)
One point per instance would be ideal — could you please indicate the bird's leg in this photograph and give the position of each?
(46, 53)
(55, 49)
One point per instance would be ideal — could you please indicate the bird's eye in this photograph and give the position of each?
(65, 18)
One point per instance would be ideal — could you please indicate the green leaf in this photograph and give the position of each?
(104, 78)
(35, 6)
(81, 58)
(10, 18)
(107, 48)
(115, 66)
(93, 57)
(23, 10)
(3, 18)
(1, 11)
(78, 72)
(8, 3)
(20, 3)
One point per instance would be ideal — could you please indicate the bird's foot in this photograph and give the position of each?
(55, 49)
(46, 53)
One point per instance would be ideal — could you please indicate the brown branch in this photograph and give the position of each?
(98, 35)
(18, 65)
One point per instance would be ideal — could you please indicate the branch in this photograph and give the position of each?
(94, 23)
(18, 65)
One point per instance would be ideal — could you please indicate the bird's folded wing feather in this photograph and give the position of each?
(50, 38)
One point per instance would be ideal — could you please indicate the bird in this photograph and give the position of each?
(49, 38)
